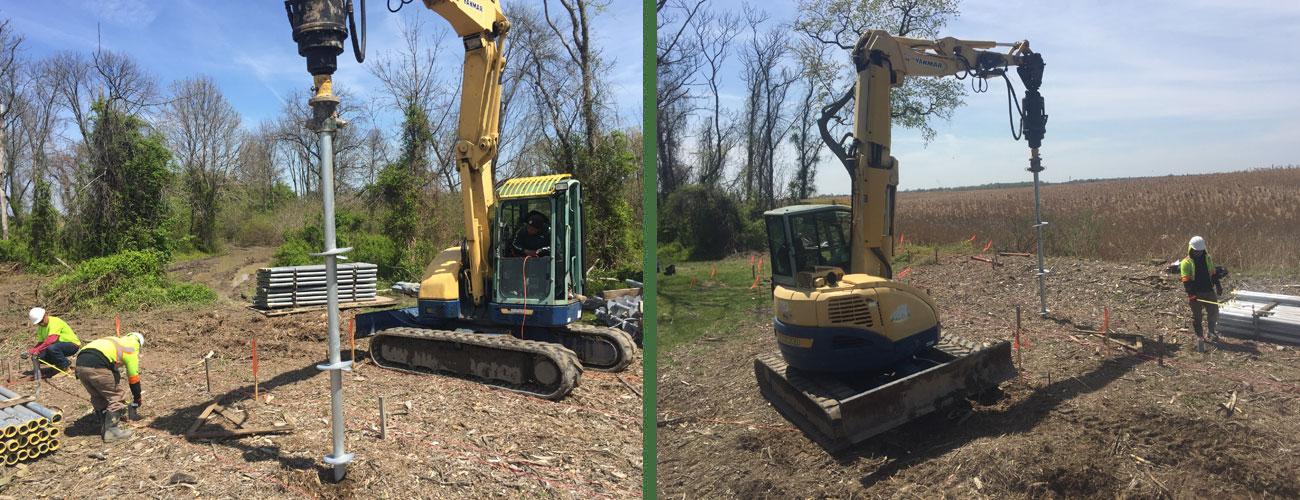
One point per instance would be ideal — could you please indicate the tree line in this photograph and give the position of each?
(98, 156)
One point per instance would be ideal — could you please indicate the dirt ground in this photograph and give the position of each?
(1082, 421)
(447, 438)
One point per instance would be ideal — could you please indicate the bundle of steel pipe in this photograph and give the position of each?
(28, 430)
(1262, 316)
(306, 285)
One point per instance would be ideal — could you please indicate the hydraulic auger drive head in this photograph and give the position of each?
(319, 29)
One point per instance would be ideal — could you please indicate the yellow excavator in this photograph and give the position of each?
(502, 306)
(861, 353)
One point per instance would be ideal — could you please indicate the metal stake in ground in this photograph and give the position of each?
(383, 420)
(36, 373)
(207, 374)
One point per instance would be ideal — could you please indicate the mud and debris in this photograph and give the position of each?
(1084, 420)
(447, 438)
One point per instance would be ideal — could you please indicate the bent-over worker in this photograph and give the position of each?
(56, 341)
(97, 364)
(1201, 282)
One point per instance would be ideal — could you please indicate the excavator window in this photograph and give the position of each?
(821, 239)
(526, 248)
(780, 245)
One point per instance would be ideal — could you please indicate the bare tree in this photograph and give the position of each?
(840, 23)
(299, 147)
(410, 77)
(714, 34)
(258, 167)
(125, 86)
(817, 76)
(767, 81)
(203, 132)
(552, 87)
(9, 68)
(677, 60)
(578, 46)
(518, 126)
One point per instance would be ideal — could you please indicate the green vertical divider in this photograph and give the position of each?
(649, 111)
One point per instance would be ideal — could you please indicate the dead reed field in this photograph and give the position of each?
(1251, 219)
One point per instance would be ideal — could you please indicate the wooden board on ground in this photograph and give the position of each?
(281, 311)
(17, 401)
(614, 294)
(240, 430)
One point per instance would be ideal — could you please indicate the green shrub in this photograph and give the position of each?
(13, 250)
(255, 230)
(127, 280)
(672, 253)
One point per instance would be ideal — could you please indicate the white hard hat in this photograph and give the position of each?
(36, 315)
(139, 338)
(1197, 243)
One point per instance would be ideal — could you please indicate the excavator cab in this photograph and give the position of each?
(808, 242)
(541, 216)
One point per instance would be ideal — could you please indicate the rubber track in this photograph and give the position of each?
(620, 339)
(571, 369)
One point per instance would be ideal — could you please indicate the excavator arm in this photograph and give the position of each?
(884, 61)
(483, 27)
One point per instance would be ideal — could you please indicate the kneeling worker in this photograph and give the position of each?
(57, 341)
(97, 364)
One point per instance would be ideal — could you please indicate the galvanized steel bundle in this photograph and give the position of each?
(28, 430)
(296, 286)
(1264, 316)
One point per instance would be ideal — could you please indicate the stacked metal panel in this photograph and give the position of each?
(298, 286)
(1265, 316)
(27, 431)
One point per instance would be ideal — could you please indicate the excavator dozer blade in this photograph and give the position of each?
(838, 410)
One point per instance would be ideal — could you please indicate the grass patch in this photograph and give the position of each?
(714, 305)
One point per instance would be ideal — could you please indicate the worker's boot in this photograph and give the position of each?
(100, 415)
(112, 428)
(1214, 336)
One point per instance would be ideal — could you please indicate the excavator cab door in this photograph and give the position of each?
(541, 287)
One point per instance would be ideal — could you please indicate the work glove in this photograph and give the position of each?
(1191, 298)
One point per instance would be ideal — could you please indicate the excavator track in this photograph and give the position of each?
(600, 348)
(539, 369)
(838, 410)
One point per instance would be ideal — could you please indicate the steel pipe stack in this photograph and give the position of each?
(298, 286)
(27, 431)
(1261, 316)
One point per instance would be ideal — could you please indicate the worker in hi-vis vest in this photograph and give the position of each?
(97, 364)
(1201, 282)
(55, 337)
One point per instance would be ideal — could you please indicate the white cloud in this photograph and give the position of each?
(127, 13)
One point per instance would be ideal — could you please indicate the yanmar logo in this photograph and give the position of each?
(923, 62)
(474, 5)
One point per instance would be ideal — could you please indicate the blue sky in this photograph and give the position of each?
(246, 46)
(1167, 87)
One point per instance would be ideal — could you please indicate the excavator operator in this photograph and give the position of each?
(534, 239)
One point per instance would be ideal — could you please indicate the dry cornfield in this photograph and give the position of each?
(1251, 219)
